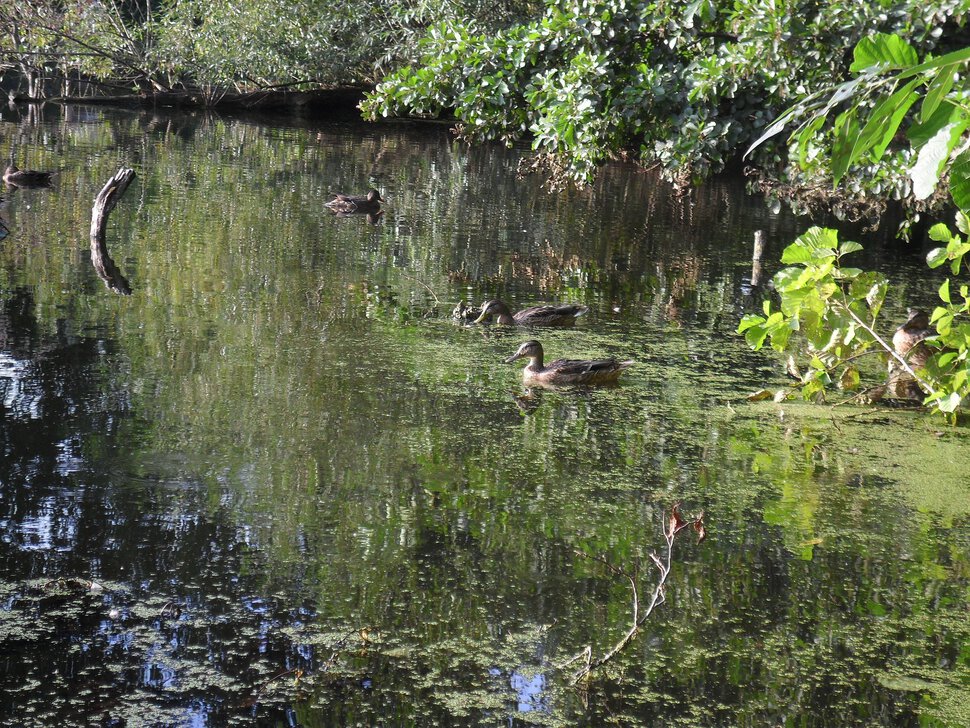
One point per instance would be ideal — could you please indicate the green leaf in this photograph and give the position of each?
(748, 321)
(922, 131)
(960, 181)
(936, 257)
(945, 358)
(938, 88)
(889, 52)
(846, 132)
(849, 246)
(945, 291)
(940, 233)
(963, 222)
(755, 336)
(950, 403)
(823, 242)
(948, 59)
(796, 253)
(803, 138)
(883, 122)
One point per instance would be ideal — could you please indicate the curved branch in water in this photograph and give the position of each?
(104, 203)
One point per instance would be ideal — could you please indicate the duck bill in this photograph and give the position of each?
(513, 358)
(481, 317)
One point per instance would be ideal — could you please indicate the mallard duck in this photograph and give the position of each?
(566, 371)
(26, 177)
(907, 341)
(564, 314)
(371, 202)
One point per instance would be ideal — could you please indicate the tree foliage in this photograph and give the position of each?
(683, 84)
(833, 308)
(223, 44)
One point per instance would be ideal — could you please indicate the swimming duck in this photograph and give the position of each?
(907, 341)
(371, 202)
(26, 177)
(566, 371)
(558, 315)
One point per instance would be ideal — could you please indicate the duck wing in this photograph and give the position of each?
(580, 367)
(560, 312)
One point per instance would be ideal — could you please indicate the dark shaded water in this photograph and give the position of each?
(305, 496)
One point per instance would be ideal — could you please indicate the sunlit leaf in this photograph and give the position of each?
(936, 257)
(940, 233)
(963, 222)
(932, 158)
(796, 253)
(849, 246)
(948, 59)
(950, 403)
(945, 291)
(748, 321)
(886, 51)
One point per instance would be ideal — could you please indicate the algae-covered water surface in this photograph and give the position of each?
(278, 484)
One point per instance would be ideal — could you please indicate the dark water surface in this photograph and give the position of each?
(307, 497)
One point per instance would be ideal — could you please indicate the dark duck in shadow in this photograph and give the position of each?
(908, 339)
(371, 202)
(26, 177)
(909, 345)
(557, 315)
(566, 371)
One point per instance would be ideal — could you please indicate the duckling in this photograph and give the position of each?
(566, 371)
(557, 315)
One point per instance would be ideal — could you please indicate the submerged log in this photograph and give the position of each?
(104, 203)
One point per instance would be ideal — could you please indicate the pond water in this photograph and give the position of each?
(279, 485)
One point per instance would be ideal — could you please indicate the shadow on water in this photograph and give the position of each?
(279, 484)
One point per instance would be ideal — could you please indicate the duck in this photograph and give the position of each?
(908, 338)
(564, 314)
(371, 202)
(566, 371)
(26, 177)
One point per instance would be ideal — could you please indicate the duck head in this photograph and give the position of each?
(531, 350)
(493, 308)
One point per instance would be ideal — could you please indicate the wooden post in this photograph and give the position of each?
(104, 203)
(759, 248)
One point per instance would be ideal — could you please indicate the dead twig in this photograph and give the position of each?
(673, 524)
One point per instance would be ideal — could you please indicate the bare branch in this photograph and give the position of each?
(672, 526)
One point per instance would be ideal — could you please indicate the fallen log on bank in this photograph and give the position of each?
(104, 203)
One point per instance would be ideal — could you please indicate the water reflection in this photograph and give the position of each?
(309, 499)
